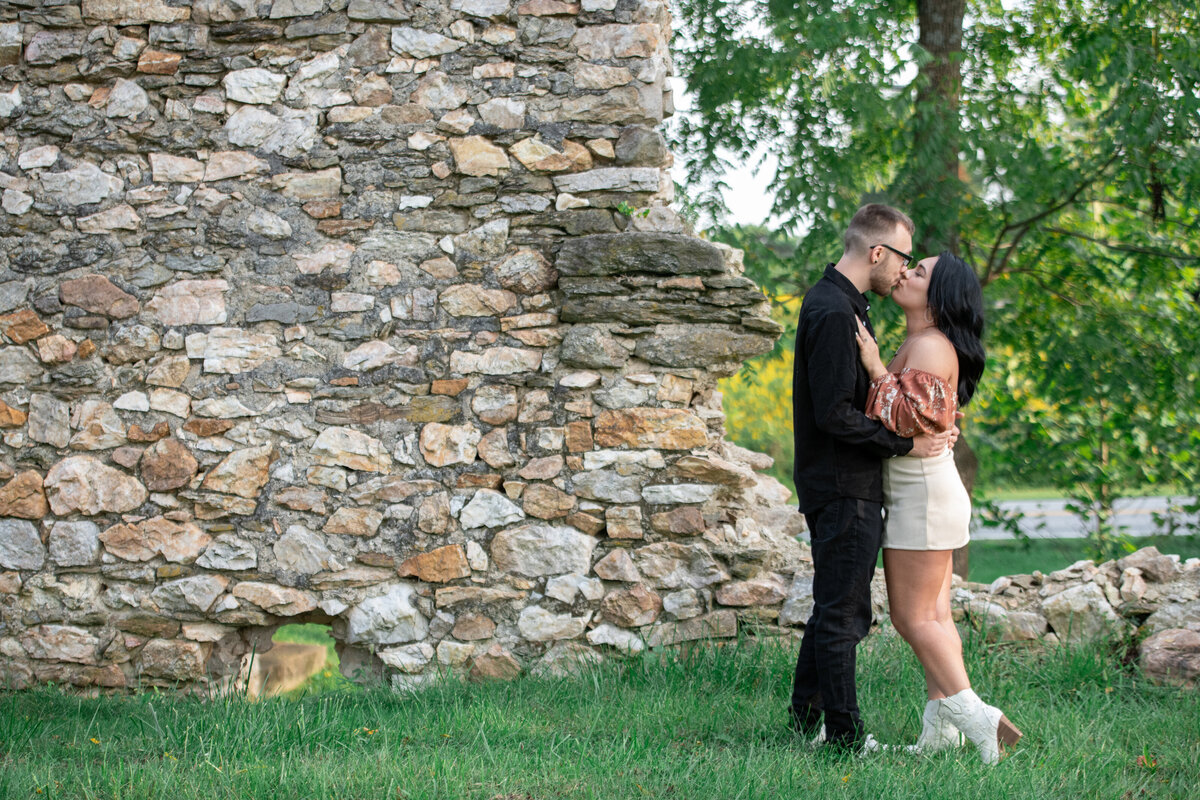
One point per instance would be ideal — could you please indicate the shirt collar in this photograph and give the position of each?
(857, 298)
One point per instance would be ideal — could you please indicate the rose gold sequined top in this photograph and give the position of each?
(912, 402)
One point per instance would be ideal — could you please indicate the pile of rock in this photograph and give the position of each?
(1145, 592)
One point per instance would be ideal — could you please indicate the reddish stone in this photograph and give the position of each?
(23, 326)
(24, 497)
(11, 417)
(578, 436)
(167, 465)
(99, 295)
(139, 434)
(473, 627)
(496, 664)
(156, 62)
(86, 348)
(658, 428)
(453, 388)
(588, 523)
(322, 209)
(207, 427)
(682, 521)
(437, 566)
(546, 502)
(473, 480)
(351, 380)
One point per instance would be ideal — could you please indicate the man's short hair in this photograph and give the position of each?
(872, 224)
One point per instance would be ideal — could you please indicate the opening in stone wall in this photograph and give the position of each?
(303, 660)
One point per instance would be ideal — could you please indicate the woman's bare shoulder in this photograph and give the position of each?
(933, 353)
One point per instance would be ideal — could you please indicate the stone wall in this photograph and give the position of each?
(370, 313)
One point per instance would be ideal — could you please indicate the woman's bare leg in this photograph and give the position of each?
(918, 584)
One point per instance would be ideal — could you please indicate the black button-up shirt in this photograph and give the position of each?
(839, 450)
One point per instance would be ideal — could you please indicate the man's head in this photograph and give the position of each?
(880, 237)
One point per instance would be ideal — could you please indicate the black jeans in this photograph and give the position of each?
(846, 535)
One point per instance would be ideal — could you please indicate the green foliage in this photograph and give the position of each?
(1073, 147)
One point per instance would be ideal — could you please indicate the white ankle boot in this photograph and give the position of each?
(986, 726)
(936, 733)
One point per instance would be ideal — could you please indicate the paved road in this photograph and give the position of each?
(1049, 519)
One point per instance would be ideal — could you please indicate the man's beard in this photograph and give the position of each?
(879, 284)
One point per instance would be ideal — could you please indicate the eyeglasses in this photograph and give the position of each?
(907, 258)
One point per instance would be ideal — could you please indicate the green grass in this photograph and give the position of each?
(328, 679)
(991, 558)
(710, 725)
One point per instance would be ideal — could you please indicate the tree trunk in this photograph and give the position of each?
(934, 184)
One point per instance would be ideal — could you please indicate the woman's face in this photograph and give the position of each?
(913, 291)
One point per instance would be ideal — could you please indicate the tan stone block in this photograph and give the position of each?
(475, 155)
(452, 388)
(11, 417)
(137, 433)
(24, 497)
(157, 62)
(281, 600)
(473, 627)
(579, 436)
(354, 521)
(437, 566)
(495, 664)
(632, 607)
(546, 502)
(658, 428)
(682, 521)
(55, 349)
(623, 522)
(168, 465)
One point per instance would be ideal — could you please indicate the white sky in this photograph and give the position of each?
(748, 197)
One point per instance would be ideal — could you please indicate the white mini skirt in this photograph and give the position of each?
(926, 504)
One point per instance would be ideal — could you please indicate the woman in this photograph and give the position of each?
(928, 511)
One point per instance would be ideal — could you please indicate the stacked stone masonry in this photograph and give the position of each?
(370, 313)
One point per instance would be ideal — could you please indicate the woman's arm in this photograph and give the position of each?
(922, 398)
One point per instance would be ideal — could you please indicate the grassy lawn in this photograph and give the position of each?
(709, 725)
(992, 558)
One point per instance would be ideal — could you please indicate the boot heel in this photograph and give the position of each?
(1007, 734)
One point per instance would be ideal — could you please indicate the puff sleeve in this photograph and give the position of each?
(912, 403)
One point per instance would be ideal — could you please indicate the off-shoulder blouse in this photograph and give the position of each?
(912, 402)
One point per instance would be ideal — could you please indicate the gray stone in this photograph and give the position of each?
(20, 545)
(699, 346)
(301, 551)
(489, 509)
(621, 253)
(422, 44)
(75, 544)
(49, 420)
(536, 550)
(193, 594)
(609, 486)
(591, 346)
(83, 185)
(229, 552)
(387, 619)
(1081, 613)
(670, 565)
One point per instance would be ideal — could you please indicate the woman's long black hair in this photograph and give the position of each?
(956, 302)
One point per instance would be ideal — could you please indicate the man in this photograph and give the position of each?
(839, 469)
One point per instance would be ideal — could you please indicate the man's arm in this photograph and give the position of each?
(832, 358)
